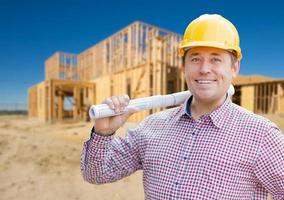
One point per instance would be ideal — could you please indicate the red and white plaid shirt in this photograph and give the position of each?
(228, 154)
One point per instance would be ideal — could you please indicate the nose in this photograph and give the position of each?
(205, 67)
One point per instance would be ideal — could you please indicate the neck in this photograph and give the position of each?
(199, 108)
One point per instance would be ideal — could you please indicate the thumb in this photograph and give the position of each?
(128, 113)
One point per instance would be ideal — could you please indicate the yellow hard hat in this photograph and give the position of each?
(211, 30)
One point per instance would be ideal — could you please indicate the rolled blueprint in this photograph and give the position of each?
(146, 103)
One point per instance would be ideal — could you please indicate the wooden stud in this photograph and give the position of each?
(141, 53)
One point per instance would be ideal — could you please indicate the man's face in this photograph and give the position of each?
(209, 72)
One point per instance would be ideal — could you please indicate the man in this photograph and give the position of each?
(208, 148)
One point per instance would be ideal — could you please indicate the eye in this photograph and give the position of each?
(195, 59)
(214, 60)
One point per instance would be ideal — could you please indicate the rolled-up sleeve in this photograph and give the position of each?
(270, 163)
(105, 159)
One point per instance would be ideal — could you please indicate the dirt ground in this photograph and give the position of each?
(41, 161)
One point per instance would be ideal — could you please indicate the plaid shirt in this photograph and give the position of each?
(228, 154)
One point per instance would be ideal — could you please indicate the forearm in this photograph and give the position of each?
(109, 158)
(93, 159)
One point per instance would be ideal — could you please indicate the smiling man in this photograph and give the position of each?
(208, 148)
(209, 73)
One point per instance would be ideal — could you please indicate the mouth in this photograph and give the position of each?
(205, 81)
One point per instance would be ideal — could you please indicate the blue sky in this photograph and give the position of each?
(33, 30)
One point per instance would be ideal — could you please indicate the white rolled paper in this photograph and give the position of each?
(146, 103)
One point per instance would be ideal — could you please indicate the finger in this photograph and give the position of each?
(123, 102)
(126, 98)
(109, 102)
(116, 103)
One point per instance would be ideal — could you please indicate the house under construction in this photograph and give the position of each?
(139, 60)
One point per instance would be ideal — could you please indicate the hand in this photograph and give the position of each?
(107, 126)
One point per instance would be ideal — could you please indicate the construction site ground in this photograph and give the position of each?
(41, 161)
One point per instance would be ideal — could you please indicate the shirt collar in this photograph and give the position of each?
(187, 106)
(183, 109)
(217, 116)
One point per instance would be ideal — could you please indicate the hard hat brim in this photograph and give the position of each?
(209, 44)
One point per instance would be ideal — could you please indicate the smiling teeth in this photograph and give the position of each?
(204, 82)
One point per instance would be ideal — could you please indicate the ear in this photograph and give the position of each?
(235, 68)
(183, 65)
(183, 68)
